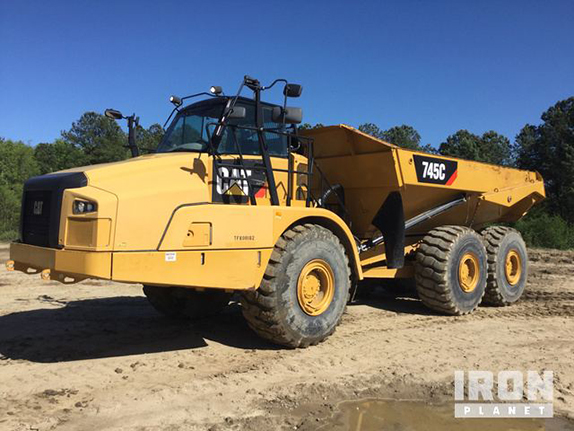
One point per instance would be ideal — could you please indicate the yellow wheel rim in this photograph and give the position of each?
(468, 272)
(513, 267)
(315, 287)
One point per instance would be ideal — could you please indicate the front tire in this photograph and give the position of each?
(507, 265)
(450, 270)
(186, 303)
(304, 291)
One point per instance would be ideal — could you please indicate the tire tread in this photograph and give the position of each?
(259, 306)
(431, 269)
(493, 237)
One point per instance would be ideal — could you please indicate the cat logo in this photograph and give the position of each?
(235, 190)
(230, 183)
(38, 207)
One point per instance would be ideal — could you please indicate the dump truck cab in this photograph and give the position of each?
(237, 199)
(253, 139)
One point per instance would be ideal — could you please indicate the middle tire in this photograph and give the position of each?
(451, 270)
(304, 291)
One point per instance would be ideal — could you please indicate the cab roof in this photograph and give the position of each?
(221, 100)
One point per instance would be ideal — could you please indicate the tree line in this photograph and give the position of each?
(547, 148)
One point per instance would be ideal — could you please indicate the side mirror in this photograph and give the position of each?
(293, 90)
(237, 113)
(291, 115)
(114, 114)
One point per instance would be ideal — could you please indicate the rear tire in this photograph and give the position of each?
(507, 265)
(450, 270)
(186, 303)
(304, 291)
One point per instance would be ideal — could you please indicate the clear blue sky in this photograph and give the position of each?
(438, 66)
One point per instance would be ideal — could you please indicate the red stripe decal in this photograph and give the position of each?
(452, 178)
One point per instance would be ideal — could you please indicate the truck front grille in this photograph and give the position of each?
(36, 214)
(41, 207)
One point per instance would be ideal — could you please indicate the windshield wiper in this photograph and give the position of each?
(182, 150)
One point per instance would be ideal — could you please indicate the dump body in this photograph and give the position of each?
(370, 169)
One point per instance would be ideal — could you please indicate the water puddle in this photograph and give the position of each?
(393, 415)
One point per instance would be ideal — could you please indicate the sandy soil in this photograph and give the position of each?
(95, 356)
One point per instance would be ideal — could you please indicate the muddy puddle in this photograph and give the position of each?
(393, 415)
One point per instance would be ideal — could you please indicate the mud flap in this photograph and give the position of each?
(390, 220)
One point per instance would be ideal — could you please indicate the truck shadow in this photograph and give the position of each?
(128, 325)
(395, 297)
(112, 327)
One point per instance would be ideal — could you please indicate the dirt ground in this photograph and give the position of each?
(95, 355)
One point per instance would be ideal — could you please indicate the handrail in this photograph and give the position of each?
(311, 166)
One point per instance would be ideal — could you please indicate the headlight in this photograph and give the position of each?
(84, 207)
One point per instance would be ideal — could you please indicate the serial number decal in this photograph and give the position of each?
(244, 237)
(435, 171)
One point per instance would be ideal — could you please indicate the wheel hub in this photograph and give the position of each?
(513, 267)
(315, 287)
(468, 272)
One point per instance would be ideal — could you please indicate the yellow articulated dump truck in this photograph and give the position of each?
(237, 199)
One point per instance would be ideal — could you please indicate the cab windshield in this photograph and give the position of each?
(189, 132)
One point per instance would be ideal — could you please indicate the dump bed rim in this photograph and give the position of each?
(323, 129)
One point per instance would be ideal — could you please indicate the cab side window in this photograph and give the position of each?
(276, 142)
(248, 139)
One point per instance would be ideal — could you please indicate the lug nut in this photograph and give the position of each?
(45, 275)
